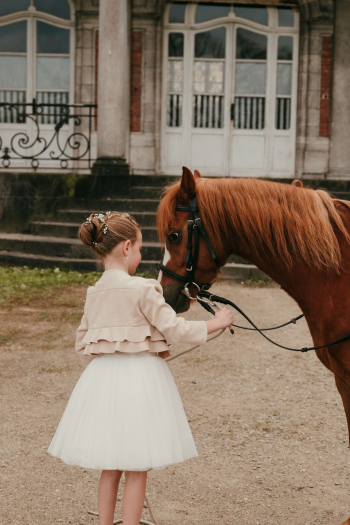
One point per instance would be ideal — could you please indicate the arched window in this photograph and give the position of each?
(36, 40)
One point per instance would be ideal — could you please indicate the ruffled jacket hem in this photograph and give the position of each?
(124, 339)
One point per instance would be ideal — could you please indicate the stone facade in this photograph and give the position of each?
(131, 130)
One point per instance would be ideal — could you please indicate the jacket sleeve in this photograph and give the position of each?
(79, 344)
(162, 316)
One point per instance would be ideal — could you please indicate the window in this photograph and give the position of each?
(250, 80)
(175, 79)
(49, 49)
(208, 79)
(284, 81)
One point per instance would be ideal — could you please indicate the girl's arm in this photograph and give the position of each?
(79, 344)
(176, 329)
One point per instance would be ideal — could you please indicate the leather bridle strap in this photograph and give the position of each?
(216, 298)
(194, 229)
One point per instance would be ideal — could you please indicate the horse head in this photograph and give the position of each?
(173, 232)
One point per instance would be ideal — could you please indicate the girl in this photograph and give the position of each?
(125, 413)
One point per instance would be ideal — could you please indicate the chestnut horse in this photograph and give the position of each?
(298, 236)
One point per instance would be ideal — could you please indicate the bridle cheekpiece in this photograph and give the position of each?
(194, 229)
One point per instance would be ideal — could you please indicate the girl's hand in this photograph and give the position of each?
(225, 317)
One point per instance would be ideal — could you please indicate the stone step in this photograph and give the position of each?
(241, 272)
(110, 204)
(146, 192)
(152, 180)
(70, 230)
(343, 195)
(46, 261)
(61, 247)
(144, 218)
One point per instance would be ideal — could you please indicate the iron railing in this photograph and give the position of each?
(46, 135)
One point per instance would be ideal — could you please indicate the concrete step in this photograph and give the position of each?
(241, 272)
(343, 195)
(112, 204)
(70, 230)
(144, 218)
(146, 192)
(82, 265)
(61, 247)
(152, 180)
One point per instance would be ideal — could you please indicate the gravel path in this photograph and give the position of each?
(268, 424)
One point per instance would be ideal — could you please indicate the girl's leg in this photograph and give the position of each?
(134, 497)
(107, 495)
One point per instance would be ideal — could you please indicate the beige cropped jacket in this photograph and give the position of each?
(128, 314)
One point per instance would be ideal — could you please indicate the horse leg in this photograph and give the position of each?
(344, 390)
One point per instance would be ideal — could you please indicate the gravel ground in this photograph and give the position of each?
(269, 424)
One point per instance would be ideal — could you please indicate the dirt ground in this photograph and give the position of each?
(269, 424)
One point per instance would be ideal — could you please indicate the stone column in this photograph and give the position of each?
(113, 97)
(340, 126)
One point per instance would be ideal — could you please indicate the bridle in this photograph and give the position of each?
(195, 229)
(208, 300)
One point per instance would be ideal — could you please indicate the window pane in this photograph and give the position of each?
(13, 72)
(13, 38)
(206, 12)
(285, 17)
(251, 45)
(284, 79)
(175, 76)
(250, 78)
(52, 73)
(13, 6)
(176, 45)
(285, 48)
(210, 44)
(54, 7)
(177, 13)
(208, 77)
(51, 39)
(255, 14)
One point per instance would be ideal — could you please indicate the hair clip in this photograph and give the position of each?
(88, 220)
(94, 243)
(104, 229)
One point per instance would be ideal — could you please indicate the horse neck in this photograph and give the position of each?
(309, 288)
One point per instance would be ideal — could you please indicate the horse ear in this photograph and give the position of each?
(197, 175)
(188, 184)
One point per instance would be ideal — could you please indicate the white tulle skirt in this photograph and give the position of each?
(125, 413)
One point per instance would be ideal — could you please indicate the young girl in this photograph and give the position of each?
(125, 413)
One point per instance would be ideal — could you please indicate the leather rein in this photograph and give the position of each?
(205, 298)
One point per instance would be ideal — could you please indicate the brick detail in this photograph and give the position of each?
(136, 81)
(96, 76)
(326, 82)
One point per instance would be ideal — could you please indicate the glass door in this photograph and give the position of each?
(230, 92)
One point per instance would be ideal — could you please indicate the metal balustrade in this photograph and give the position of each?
(283, 113)
(174, 110)
(208, 111)
(249, 112)
(66, 141)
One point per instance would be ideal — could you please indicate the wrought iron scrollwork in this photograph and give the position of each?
(67, 141)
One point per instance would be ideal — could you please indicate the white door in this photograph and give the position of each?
(230, 89)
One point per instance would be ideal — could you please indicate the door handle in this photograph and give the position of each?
(232, 111)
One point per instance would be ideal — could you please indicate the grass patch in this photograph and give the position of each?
(22, 285)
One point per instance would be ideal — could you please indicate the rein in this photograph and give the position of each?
(205, 298)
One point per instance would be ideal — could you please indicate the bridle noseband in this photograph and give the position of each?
(195, 228)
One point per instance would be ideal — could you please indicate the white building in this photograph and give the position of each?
(243, 88)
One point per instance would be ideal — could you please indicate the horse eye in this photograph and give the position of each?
(173, 236)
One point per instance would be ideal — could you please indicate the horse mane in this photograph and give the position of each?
(284, 220)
